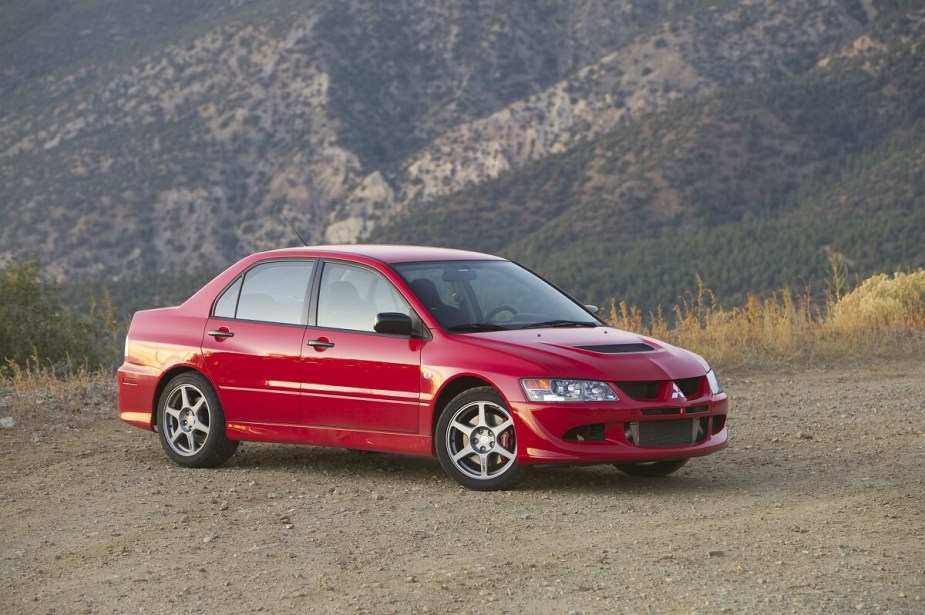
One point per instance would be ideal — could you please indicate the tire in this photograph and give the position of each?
(191, 423)
(476, 442)
(651, 469)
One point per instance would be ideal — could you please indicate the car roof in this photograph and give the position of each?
(386, 253)
(389, 254)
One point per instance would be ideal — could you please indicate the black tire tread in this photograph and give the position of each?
(218, 448)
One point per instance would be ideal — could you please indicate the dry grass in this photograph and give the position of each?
(36, 390)
(882, 316)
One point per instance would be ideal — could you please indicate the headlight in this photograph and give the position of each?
(557, 389)
(716, 387)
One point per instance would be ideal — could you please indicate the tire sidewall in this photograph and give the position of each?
(507, 480)
(217, 448)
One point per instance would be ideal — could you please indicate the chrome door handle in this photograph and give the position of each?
(220, 333)
(320, 344)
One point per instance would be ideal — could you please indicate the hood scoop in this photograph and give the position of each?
(618, 348)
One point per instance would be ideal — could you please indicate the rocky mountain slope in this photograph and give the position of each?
(140, 137)
(753, 187)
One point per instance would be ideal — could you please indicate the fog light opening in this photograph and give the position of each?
(585, 433)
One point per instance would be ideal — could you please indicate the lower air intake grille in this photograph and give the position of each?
(666, 433)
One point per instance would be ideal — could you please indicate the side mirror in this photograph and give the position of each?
(592, 308)
(393, 323)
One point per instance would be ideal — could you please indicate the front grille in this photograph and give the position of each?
(649, 390)
(682, 432)
(690, 386)
(646, 390)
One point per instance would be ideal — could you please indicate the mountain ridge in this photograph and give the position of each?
(511, 127)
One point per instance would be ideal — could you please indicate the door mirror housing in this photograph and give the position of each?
(393, 323)
(592, 308)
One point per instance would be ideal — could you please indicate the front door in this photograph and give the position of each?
(353, 377)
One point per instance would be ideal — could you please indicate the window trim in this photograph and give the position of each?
(306, 306)
(419, 329)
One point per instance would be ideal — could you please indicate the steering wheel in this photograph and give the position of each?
(498, 310)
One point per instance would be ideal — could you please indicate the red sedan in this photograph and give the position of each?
(413, 350)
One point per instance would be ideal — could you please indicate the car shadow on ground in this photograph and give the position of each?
(606, 478)
(718, 473)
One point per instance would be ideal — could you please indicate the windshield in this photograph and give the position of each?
(466, 296)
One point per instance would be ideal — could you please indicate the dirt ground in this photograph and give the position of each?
(816, 507)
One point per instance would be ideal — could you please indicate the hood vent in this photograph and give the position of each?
(618, 348)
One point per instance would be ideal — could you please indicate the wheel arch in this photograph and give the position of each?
(165, 378)
(449, 391)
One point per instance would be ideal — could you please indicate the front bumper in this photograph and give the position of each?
(623, 431)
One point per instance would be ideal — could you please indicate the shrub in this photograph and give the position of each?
(35, 328)
(882, 304)
(883, 314)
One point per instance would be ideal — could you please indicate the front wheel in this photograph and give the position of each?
(191, 423)
(650, 469)
(476, 443)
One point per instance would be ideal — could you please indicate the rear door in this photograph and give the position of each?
(353, 377)
(252, 345)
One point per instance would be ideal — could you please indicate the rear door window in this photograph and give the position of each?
(270, 292)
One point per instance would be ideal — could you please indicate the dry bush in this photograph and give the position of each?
(883, 316)
(753, 333)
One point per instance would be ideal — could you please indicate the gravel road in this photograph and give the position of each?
(816, 507)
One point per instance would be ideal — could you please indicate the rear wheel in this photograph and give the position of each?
(476, 443)
(651, 468)
(191, 423)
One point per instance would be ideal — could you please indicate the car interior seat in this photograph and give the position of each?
(426, 291)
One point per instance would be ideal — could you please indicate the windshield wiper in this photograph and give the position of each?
(475, 327)
(559, 323)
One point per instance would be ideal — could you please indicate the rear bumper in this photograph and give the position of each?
(609, 433)
(137, 385)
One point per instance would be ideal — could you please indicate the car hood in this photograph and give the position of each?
(602, 353)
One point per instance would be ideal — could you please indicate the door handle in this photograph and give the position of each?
(220, 333)
(321, 343)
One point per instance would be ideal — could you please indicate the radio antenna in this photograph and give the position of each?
(283, 216)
